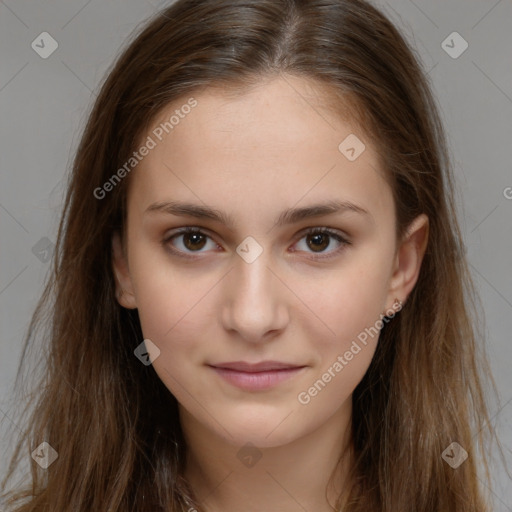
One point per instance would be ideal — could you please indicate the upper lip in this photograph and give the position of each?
(263, 366)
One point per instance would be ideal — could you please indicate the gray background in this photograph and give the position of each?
(44, 103)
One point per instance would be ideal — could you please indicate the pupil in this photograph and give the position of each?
(195, 237)
(318, 239)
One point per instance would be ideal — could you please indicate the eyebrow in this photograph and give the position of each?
(289, 216)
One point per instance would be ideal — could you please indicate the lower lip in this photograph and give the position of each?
(257, 381)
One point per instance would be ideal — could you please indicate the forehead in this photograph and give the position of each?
(268, 147)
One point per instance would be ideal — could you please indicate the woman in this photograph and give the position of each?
(320, 353)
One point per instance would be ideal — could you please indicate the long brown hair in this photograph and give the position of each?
(111, 420)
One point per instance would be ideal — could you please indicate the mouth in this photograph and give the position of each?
(256, 376)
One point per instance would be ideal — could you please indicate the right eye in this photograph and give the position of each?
(192, 241)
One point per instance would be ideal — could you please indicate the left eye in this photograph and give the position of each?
(320, 239)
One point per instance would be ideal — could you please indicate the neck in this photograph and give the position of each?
(290, 478)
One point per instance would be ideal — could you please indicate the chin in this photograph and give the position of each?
(264, 429)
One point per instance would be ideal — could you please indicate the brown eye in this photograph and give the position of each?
(194, 241)
(187, 241)
(318, 241)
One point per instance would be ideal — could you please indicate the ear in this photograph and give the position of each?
(124, 287)
(408, 259)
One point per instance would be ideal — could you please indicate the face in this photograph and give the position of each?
(292, 256)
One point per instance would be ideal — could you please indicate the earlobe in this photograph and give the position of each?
(124, 287)
(409, 258)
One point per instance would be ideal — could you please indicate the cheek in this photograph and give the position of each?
(172, 313)
(325, 393)
(344, 342)
(172, 316)
(170, 303)
(344, 302)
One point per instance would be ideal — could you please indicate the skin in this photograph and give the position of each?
(252, 156)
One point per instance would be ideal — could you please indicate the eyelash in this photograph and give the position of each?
(311, 231)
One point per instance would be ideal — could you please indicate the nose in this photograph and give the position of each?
(255, 304)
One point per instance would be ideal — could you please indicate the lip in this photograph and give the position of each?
(262, 366)
(256, 376)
